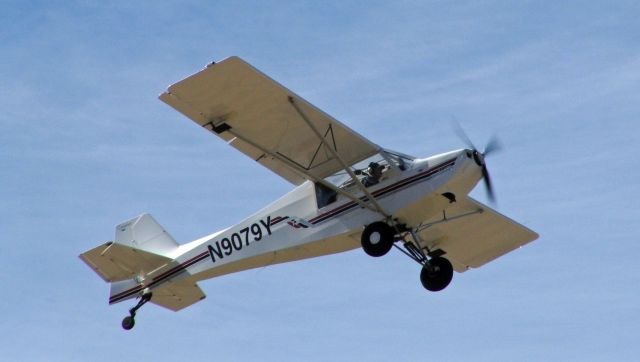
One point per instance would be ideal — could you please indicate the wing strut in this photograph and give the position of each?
(335, 154)
(302, 171)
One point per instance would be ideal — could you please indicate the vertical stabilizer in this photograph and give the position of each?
(144, 233)
(141, 245)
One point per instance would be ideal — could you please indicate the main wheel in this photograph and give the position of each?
(128, 322)
(377, 238)
(437, 274)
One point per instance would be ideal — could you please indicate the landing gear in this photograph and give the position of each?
(129, 321)
(436, 274)
(377, 238)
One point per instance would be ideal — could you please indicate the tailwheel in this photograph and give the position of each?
(436, 274)
(129, 321)
(377, 238)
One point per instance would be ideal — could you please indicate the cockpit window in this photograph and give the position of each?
(324, 195)
(401, 160)
(371, 171)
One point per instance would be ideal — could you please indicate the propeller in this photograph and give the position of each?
(492, 146)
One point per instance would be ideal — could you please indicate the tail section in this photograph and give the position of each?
(173, 295)
(144, 233)
(177, 295)
(123, 290)
(141, 247)
(115, 262)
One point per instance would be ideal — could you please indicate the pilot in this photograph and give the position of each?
(374, 172)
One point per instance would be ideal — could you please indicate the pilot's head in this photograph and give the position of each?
(374, 169)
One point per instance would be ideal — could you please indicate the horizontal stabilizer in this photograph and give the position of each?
(116, 262)
(177, 295)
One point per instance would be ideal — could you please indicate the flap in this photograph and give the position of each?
(474, 240)
(252, 112)
(177, 295)
(116, 262)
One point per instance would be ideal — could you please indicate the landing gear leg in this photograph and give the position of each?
(129, 321)
(437, 272)
(379, 237)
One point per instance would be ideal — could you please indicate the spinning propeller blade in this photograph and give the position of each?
(491, 147)
(487, 184)
(463, 135)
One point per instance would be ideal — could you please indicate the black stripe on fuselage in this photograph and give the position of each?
(387, 190)
(383, 191)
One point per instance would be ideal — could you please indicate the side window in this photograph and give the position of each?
(324, 195)
(401, 164)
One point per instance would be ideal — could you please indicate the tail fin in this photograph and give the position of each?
(141, 245)
(144, 233)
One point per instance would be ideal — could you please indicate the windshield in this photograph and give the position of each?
(371, 170)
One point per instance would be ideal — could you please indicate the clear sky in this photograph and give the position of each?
(86, 144)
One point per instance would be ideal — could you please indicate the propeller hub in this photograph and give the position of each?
(492, 146)
(479, 158)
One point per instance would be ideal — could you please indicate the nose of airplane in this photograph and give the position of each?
(475, 155)
(479, 158)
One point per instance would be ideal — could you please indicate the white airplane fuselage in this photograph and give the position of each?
(294, 228)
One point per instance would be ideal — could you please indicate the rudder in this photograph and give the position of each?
(144, 233)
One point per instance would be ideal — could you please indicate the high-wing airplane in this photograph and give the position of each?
(349, 193)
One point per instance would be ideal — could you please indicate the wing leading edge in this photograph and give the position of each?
(266, 121)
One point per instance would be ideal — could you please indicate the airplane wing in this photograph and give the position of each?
(476, 239)
(258, 116)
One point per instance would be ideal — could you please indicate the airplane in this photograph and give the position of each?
(349, 193)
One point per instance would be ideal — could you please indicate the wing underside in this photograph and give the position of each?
(475, 239)
(267, 122)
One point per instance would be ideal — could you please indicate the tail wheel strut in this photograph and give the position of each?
(129, 321)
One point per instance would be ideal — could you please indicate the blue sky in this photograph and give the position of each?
(85, 144)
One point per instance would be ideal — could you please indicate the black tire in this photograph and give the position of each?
(437, 275)
(377, 239)
(128, 322)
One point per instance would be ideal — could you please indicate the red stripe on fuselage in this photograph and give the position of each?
(315, 220)
(383, 191)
